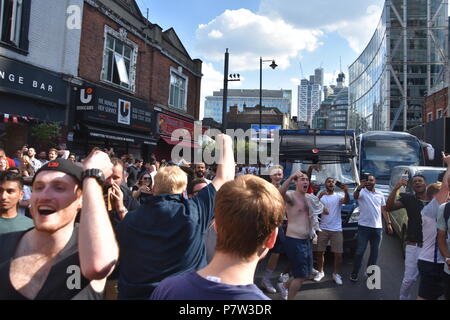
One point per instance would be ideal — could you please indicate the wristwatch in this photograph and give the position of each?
(94, 173)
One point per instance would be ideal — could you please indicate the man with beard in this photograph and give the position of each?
(413, 203)
(59, 259)
(301, 208)
(331, 226)
(200, 171)
(370, 226)
(35, 163)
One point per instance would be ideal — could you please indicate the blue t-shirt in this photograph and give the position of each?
(191, 286)
(162, 238)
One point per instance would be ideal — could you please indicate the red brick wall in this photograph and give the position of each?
(160, 88)
(91, 51)
(153, 68)
(433, 103)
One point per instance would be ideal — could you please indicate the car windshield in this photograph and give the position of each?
(379, 157)
(431, 176)
(342, 172)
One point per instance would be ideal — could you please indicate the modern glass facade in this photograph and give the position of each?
(333, 112)
(281, 99)
(310, 96)
(404, 59)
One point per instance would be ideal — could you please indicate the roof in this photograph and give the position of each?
(171, 37)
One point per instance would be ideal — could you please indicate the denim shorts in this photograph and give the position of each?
(299, 252)
(431, 279)
(279, 244)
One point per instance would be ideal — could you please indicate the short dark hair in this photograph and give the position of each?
(138, 160)
(116, 161)
(193, 183)
(11, 176)
(326, 180)
(420, 176)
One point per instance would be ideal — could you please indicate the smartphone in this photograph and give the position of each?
(339, 184)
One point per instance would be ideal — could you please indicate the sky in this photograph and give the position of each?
(300, 35)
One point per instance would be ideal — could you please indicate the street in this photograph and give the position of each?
(391, 264)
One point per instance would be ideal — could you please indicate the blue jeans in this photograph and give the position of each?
(366, 234)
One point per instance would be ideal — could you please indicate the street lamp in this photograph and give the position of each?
(273, 66)
(226, 78)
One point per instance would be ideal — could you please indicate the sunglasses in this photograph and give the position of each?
(146, 178)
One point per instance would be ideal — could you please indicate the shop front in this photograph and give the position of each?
(28, 96)
(108, 119)
(174, 129)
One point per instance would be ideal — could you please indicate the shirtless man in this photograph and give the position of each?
(299, 206)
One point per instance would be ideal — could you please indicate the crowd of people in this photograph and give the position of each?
(162, 230)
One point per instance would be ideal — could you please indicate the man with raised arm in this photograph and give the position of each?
(165, 237)
(59, 259)
(301, 208)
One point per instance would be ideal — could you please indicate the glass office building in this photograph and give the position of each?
(281, 99)
(405, 58)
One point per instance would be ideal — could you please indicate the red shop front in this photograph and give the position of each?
(174, 129)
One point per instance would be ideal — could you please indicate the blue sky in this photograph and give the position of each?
(292, 32)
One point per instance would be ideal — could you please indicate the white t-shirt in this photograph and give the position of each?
(370, 204)
(333, 220)
(443, 226)
(430, 250)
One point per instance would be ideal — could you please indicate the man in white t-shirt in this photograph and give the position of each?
(331, 226)
(443, 225)
(370, 226)
(431, 262)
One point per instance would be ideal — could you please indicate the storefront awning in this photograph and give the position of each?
(119, 135)
(182, 143)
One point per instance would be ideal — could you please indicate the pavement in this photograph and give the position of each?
(390, 261)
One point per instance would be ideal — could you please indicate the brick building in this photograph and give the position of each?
(38, 58)
(435, 106)
(136, 83)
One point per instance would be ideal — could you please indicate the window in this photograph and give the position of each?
(119, 59)
(439, 114)
(14, 20)
(178, 89)
(429, 117)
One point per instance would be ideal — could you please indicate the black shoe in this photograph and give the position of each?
(354, 277)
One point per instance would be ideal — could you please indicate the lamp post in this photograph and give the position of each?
(226, 78)
(273, 66)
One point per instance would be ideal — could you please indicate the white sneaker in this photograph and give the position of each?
(319, 276)
(314, 272)
(283, 291)
(267, 285)
(337, 278)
